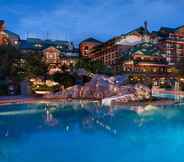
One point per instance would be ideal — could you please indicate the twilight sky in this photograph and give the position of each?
(77, 19)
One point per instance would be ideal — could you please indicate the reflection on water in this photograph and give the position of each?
(26, 119)
(22, 119)
(54, 129)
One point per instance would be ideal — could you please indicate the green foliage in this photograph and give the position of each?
(9, 62)
(64, 79)
(16, 66)
(32, 65)
(166, 86)
(3, 88)
(93, 66)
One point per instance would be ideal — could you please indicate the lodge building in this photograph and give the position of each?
(146, 64)
(157, 52)
(86, 45)
(171, 43)
(109, 52)
(145, 58)
(56, 60)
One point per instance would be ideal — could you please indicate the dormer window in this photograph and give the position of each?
(38, 45)
(59, 47)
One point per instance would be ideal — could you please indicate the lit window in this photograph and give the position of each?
(15, 42)
(59, 47)
(50, 56)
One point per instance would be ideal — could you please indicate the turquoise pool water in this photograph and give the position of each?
(74, 132)
(169, 96)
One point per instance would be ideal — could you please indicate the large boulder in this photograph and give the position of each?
(102, 86)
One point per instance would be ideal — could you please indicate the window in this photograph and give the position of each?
(86, 48)
(16, 42)
(50, 56)
(38, 45)
(59, 47)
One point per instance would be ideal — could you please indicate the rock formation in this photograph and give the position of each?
(101, 87)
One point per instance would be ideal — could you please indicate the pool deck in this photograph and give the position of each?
(8, 100)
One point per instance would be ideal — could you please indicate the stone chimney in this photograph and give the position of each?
(2, 25)
(146, 26)
(146, 32)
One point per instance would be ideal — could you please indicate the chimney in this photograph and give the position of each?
(2, 25)
(146, 26)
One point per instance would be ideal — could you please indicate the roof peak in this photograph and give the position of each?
(91, 39)
(140, 29)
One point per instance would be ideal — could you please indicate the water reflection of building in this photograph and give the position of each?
(50, 120)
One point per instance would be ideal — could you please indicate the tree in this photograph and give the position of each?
(32, 65)
(17, 66)
(9, 62)
(64, 79)
(93, 66)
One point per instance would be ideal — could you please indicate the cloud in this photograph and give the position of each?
(77, 19)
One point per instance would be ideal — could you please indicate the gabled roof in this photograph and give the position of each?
(26, 45)
(2, 22)
(164, 32)
(12, 34)
(35, 40)
(141, 30)
(91, 40)
(178, 28)
(39, 44)
(147, 49)
(52, 49)
(104, 44)
(167, 29)
(56, 42)
(31, 45)
(61, 42)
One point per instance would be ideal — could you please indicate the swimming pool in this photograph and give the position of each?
(169, 96)
(70, 132)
